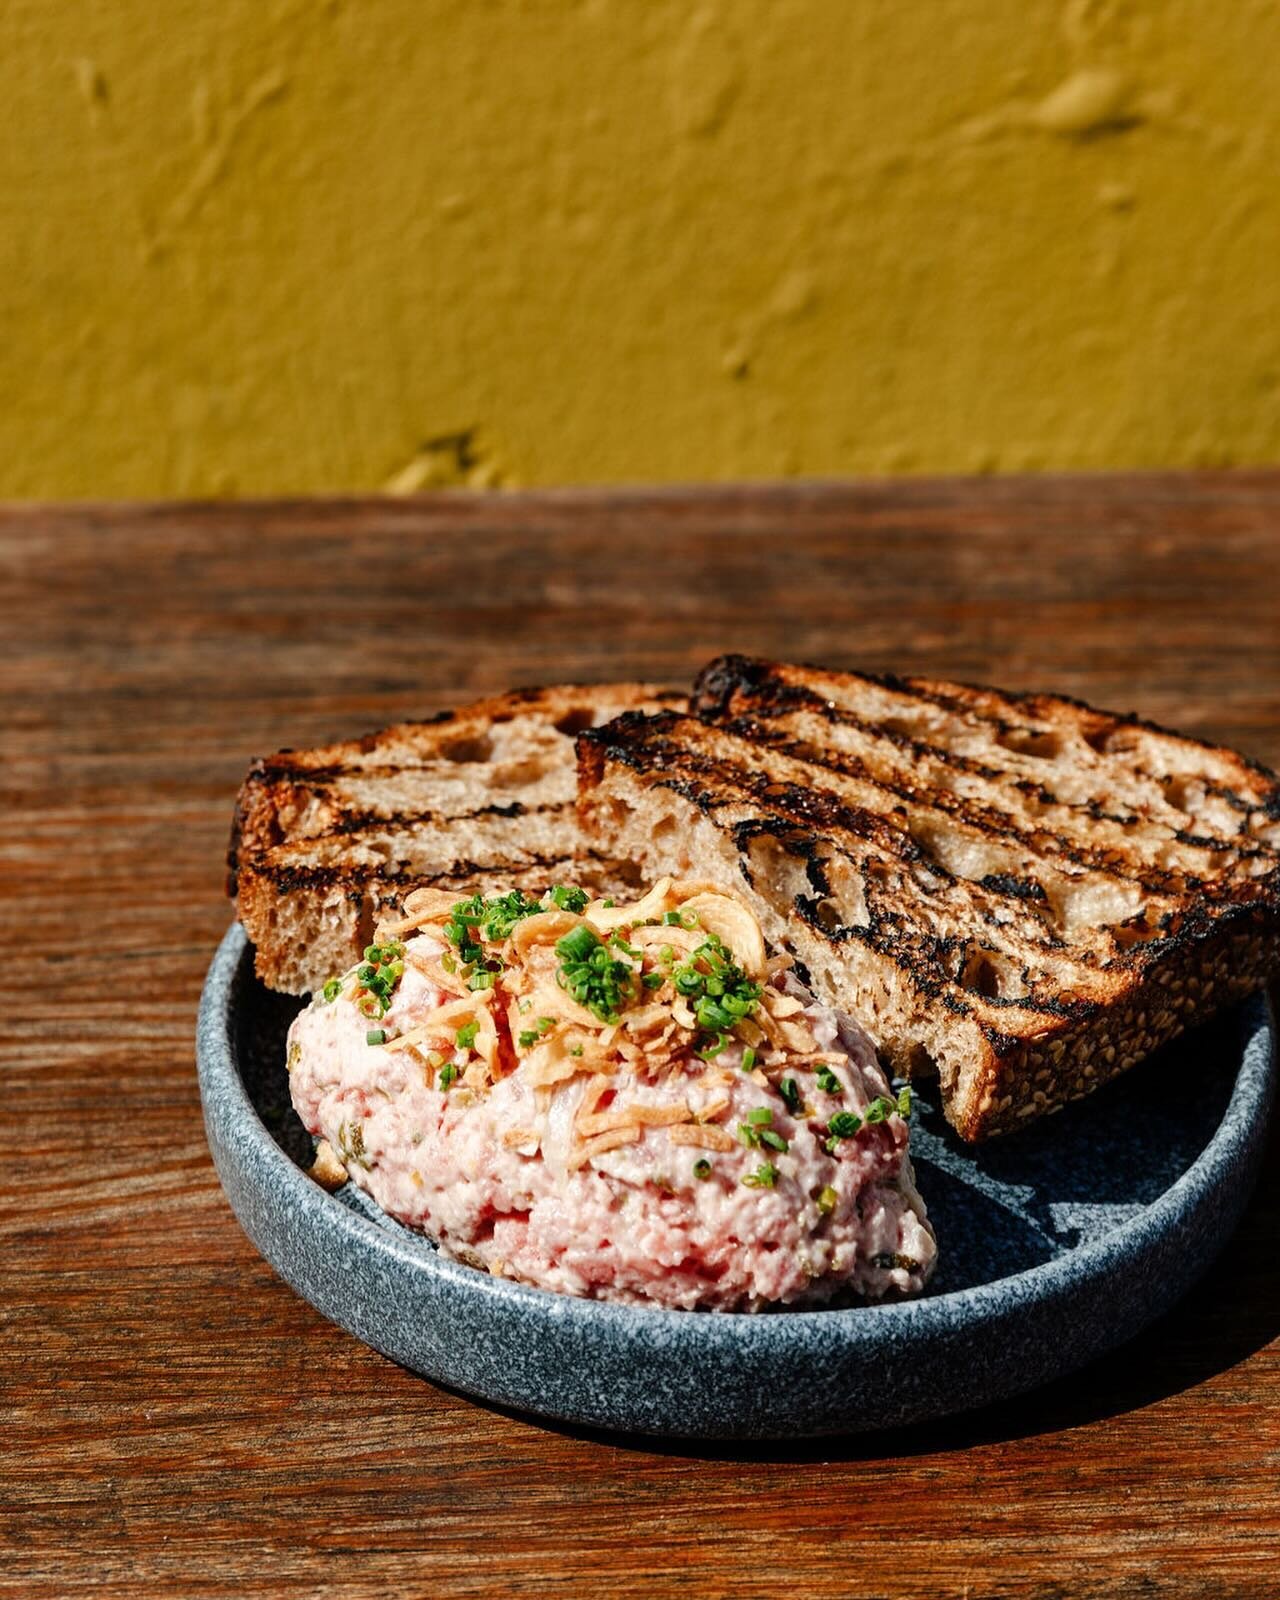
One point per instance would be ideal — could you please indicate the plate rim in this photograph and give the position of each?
(1237, 1139)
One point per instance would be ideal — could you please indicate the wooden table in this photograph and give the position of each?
(176, 1421)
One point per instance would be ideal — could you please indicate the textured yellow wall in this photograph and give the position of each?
(251, 246)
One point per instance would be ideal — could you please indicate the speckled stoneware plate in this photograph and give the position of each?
(1055, 1245)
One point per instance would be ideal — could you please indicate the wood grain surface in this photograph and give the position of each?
(176, 1421)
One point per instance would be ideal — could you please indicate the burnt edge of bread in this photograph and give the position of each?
(755, 680)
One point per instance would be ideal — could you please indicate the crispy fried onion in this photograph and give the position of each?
(529, 1022)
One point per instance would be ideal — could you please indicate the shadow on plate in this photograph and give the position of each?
(1233, 1312)
(999, 1209)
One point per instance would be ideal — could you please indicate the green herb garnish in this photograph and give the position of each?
(702, 1169)
(827, 1198)
(718, 991)
(448, 1073)
(592, 976)
(376, 1036)
(827, 1081)
(842, 1126)
(748, 1059)
(502, 913)
(566, 898)
(789, 1090)
(331, 990)
(492, 920)
(466, 1035)
(376, 978)
(764, 1177)
(756, 1131)
(879, 1110)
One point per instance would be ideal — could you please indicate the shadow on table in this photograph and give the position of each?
(1231, 1313)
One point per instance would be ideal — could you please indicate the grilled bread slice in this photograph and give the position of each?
(1021, 894)
(325, 840)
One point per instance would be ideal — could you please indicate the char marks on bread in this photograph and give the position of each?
(1021, 893)
(327, 840)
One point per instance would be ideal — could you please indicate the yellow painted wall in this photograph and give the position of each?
(254, 246)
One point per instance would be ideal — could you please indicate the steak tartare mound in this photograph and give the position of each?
(631, 1103)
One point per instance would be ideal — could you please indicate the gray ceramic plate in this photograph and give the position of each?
(1055, 1245)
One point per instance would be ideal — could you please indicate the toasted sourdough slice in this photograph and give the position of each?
(1024, 895)
(325, 840)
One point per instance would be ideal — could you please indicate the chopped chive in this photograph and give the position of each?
(332, 990)
(789, 1089)
(671, 919)
(827, 1081)
(448, 1073)
(879, 1110)
(764, 1177)
(376, 1036)
(567, 898)
(480, 980)
(592, 976)
(904, 1100)
(774, 1140)
(578, 944)
(760, 1116)
(702, 1169)
(748, 1059)
(653, 980)
(575, 1049)
(844, 1124)
(827, 1200)
(466, 1035)
(527, 1038)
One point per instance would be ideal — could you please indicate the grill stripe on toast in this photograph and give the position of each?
(324, 839)
(1026, 953)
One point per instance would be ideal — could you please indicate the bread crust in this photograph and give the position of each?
(323, 840)
(986, 979)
